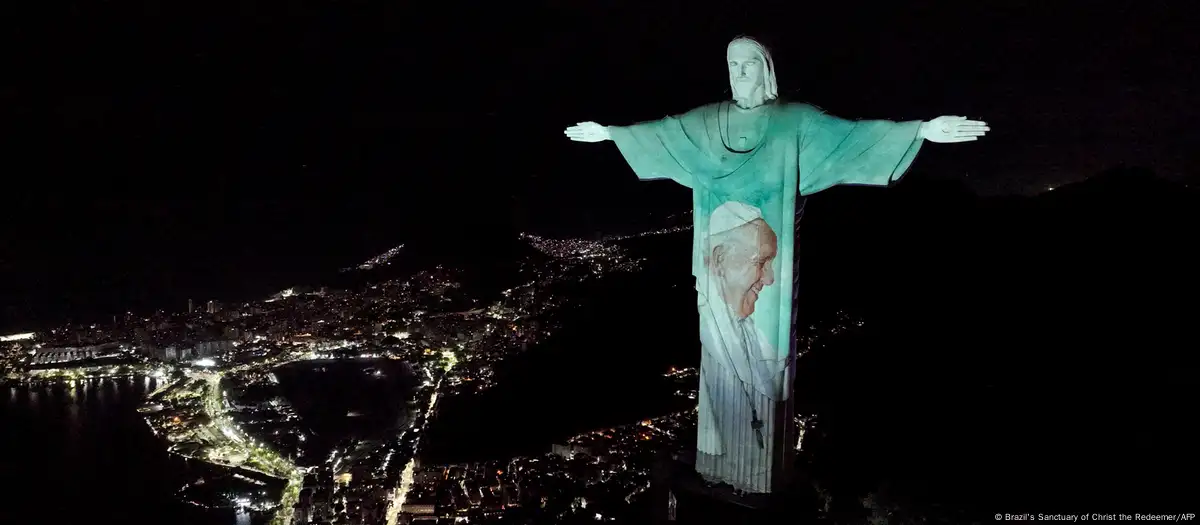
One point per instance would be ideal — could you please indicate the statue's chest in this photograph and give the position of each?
(749, 154)
(743, 132)
(751, 174)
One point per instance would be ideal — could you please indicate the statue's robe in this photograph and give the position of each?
(795, 150)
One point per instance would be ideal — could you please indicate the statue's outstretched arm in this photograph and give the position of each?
(949, 129)
(588, 132)
(656, 149)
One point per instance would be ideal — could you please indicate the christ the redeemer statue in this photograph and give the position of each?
(748, 162)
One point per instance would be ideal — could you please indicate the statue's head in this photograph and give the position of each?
(742, 250)
(751, 72)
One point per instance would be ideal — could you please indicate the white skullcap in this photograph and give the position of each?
(730, 215)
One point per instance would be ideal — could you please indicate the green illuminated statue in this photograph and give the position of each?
(749, 162)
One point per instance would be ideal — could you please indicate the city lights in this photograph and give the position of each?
(207, 363)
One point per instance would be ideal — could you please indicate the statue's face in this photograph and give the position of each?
(744, 265)
(747, 72)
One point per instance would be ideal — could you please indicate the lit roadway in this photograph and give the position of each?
(223, 426)
(213, 403)
(406, 476)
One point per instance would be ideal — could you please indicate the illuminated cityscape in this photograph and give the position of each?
(219, 399)
(379, 260)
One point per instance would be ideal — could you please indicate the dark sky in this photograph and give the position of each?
(155, 138)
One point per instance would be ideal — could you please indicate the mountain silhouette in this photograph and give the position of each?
(1121, 180)
(485, 260)
(1005, 335)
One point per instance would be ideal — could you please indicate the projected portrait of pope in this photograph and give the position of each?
(742, 250)
(742, 369)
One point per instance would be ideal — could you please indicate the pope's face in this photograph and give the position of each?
(745, 266)
(746, 69)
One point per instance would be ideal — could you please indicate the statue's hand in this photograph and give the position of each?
(949, 129)
(587, 132)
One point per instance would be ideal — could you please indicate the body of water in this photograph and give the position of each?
(82, 454)
(349, 399)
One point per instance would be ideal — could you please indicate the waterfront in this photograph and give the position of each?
(83, 453)
(365, 349)
(360, 399)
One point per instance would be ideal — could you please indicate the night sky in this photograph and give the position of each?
(152, 146)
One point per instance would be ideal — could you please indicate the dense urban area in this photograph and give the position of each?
(218, 399)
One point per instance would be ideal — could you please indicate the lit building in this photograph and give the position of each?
(418, 508)
(210, 348)
(61, 355)
(569, 451)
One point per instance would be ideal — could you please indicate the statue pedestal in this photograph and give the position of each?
(680, 495)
